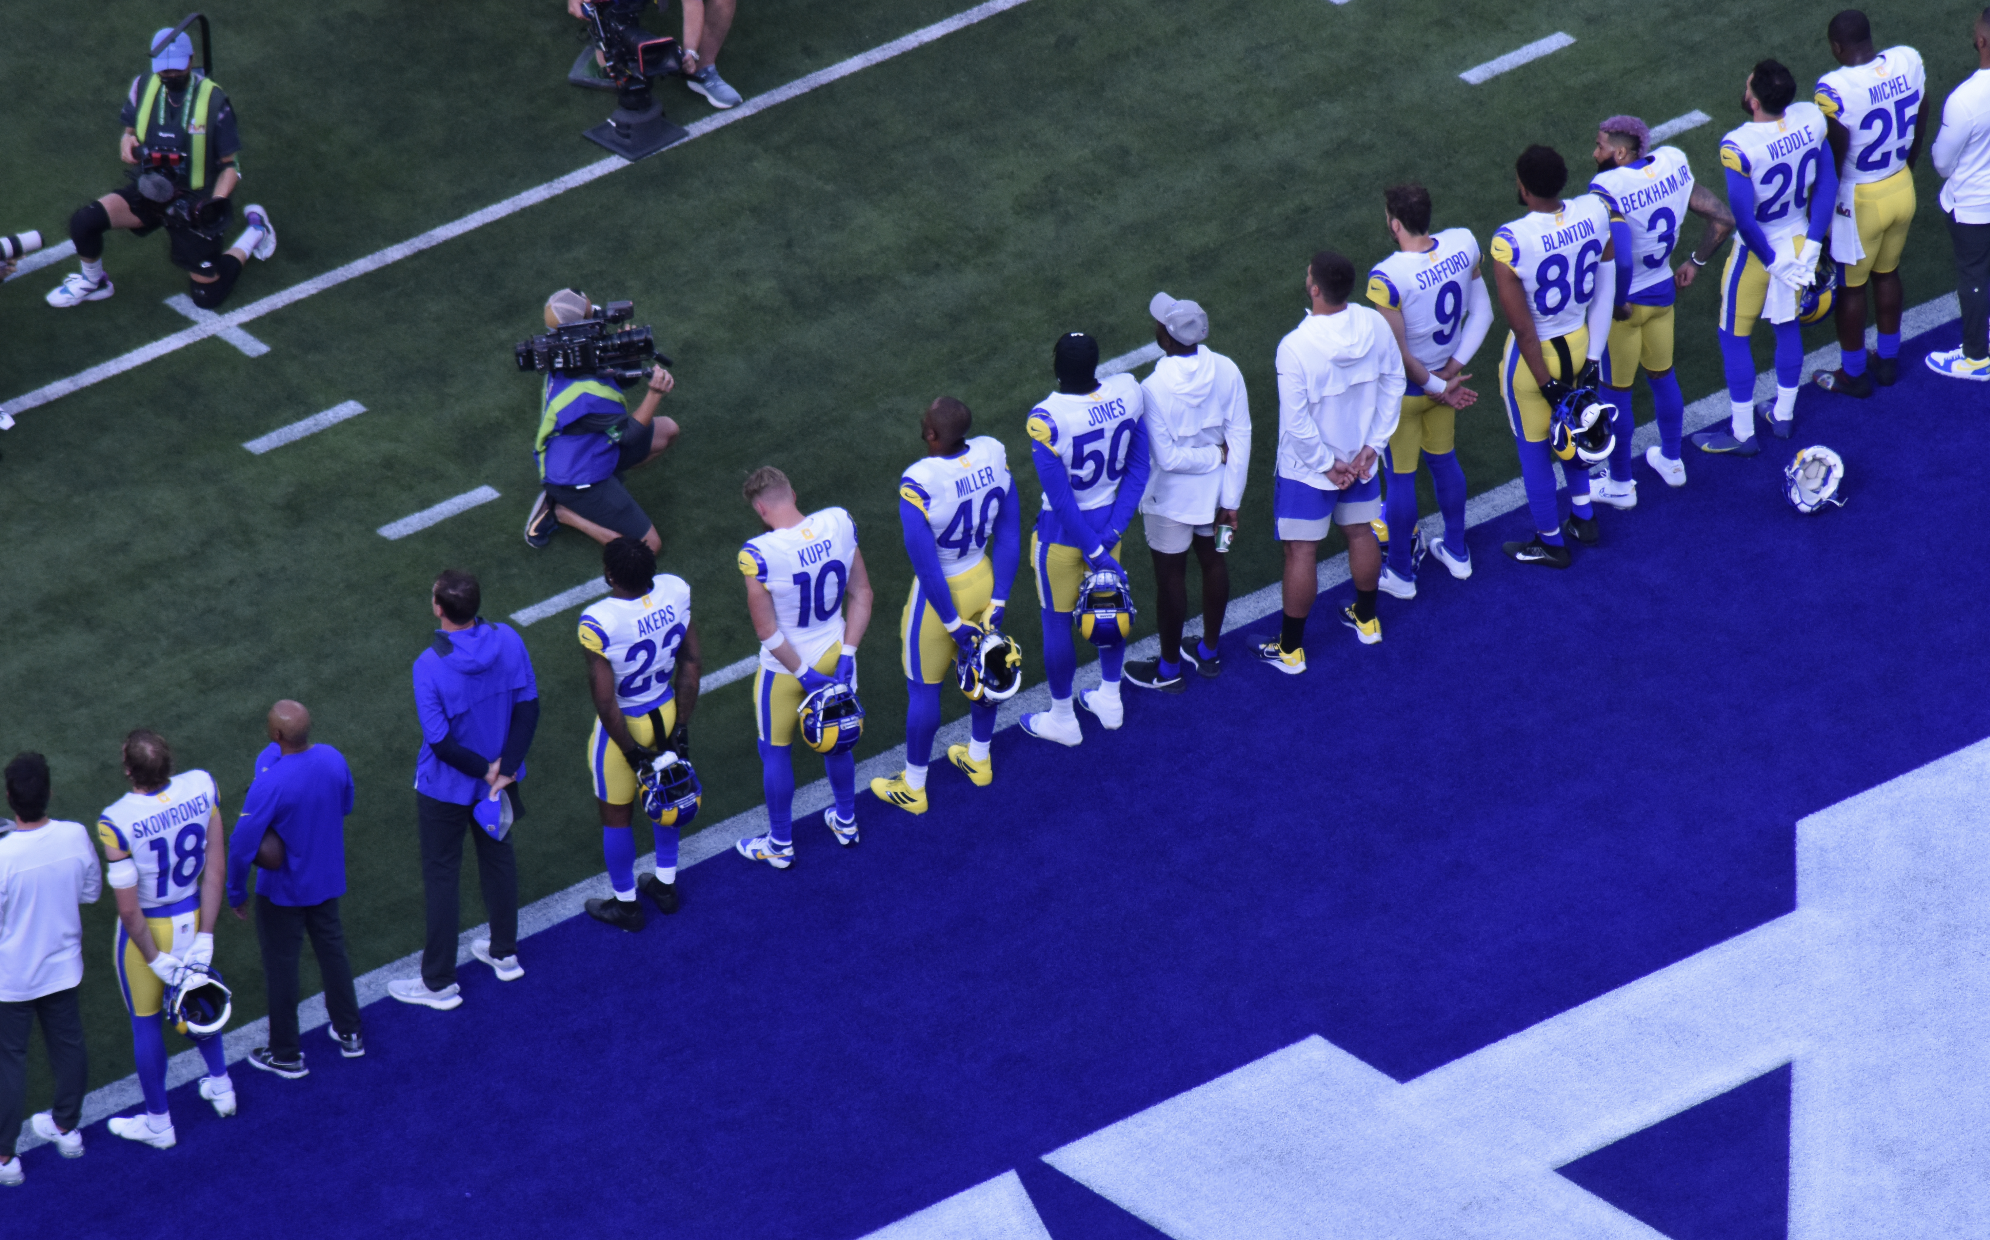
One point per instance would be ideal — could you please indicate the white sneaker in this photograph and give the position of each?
(1460, 566)
(507, 968)
(415, 990)
(1045, 725)
(1110, 711)
(1952, 363)
(1674, 472)
(68, 1144)
(259, 218)
(219, 1092)
(76, 289)
(1619, 495)
(11, 1173)
(1394, 586)
(139, 1128)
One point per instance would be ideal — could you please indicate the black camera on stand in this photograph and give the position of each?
(631, 56)
(589, 348)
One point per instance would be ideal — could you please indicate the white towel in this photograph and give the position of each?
(1845, 247)
(1780, 306)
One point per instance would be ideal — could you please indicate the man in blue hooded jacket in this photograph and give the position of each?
(479, 706)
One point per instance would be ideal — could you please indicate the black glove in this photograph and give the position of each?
(639, 757)
(213, 213)
(1554, 391)
(680, 741)
(1591, 375)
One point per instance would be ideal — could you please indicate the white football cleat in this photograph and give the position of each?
(1110, 711)
(1619, 495)
(76, 289)
(256, 216)
(1674, 472)
(1045, 724)
(1460, 566)
(138, 1128)
(68, 1144)
(219, 1092)
(1394, 586)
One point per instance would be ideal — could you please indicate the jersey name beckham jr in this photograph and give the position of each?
(961, 497)
(806, 568)
(1431, 290)
(1652, 196)
(639, 637)
(1556, 256)
(1092, 435)
(166, 834)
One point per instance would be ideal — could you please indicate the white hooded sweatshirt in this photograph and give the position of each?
(1195, 405)
(1340, 389)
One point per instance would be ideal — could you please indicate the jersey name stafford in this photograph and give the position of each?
(1430, 291)
(960, 496)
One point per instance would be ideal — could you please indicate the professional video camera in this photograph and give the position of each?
(589, 348)
(20, 245)
(632, 56)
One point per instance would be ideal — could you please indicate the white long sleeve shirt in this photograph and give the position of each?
(1196, 407)
(45, 875)
(1962, 150)
(1340, 389)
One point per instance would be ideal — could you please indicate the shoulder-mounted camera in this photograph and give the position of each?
(589, 347)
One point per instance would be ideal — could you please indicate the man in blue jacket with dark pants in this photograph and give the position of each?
(302, 793)
(479, 705)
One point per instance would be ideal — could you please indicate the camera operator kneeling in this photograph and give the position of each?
(588, 436)
(180, 138)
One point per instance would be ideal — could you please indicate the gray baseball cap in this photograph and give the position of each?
(1184, 320)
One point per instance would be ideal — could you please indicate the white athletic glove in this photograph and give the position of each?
(202, 951)
(167, 966)
(1801, 272)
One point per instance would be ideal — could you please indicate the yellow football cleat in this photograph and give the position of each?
(982, 772)
(896, 791)
(1369, 631)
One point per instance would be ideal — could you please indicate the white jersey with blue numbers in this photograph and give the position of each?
(1431, 290)
(1782, 159)
(1651, 195)
(806, 568)
(1092, 435)
(961, 497)
(166, 834)
(639, 637)
(1556, 255)
(1878, 103)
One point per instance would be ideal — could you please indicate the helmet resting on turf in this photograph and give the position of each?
(1105, 608)
(991, 670)
(832, 719)
(1579, 428)
(671, 791)
(1812, 480)
(198, 1003)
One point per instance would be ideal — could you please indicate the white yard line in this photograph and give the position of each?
(1678, 125)
(42, 258)
(308, 426)
(182, 304)
(1127, 361)
(440, 512)
(546, 609)
(496, 211)
(1517, 57)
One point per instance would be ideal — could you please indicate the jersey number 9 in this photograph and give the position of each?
(1450, 313)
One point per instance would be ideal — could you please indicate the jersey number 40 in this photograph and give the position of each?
(964, 533)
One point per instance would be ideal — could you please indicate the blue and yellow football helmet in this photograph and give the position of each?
(671, 791)
(198, 1003)
(992, 670)
(1105, 608)
(832, 719)
(1579, 429)
(1817, 299)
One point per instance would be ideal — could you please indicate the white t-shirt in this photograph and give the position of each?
(1962, 150)
(806, 568)
(1196, 404)
(44, 875)
(639, 638)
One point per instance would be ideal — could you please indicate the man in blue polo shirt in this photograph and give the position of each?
(479, 705)
(302, 793)
(588, 438)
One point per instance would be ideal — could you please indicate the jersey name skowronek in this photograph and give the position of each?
(639, 637)
(1556, 257)
(806, 569)
(1652, 196)
(1431, 290)
(1782, 159)
(1879, 104)
(961, 497)
(166, 834)
(1092, 435)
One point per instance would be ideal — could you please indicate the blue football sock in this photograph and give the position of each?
(842, 770)
(1060, 660)
(1447, 478)
(1111, 660)
(1889, 346)
(666, 845)
(1853, 361)
(1789, 354)
(981, 720)
(777, 783)
(922, 720)
(1738, 361)
(1167, 670)
(1623, 424)
(1399, 508)
(148, 1049)
(1671, 410)
(214, 1054)
(618, 846)
(1537, 474)
(1203, 650)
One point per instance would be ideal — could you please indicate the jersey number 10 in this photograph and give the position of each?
(816, 590)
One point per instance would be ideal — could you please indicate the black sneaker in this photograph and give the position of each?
(1838, 381)
(351, 1045)
(1583, 529)
(1884, 370)
(661, 894)
(541, 521)
(1534, 551)
(1147, 674)
(621, 914)
(288, 1069)
(1209, 668)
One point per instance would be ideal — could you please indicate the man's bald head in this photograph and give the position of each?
(290, 724)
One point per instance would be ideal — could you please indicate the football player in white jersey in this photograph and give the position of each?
(1781, 184)
(1557, 276)
(963, 533)
(1436, 302)
(642, 672)
(1876, 113)
(168, 860)
(1090, 451)
(810, 599)
(1649, 193)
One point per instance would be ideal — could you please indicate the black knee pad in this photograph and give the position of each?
(87, 228)
(225, 270)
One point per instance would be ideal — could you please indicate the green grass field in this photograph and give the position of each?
(819, 272)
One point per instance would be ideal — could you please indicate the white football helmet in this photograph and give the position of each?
(1813, 479)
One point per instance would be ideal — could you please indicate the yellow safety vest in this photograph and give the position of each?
(193, 119)
(549, 412)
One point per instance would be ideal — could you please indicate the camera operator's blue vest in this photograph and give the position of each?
(575, 459)
(195, 115)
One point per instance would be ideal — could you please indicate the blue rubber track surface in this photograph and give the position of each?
(1539, 787)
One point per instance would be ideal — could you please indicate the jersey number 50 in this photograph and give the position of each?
(1109, 464)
